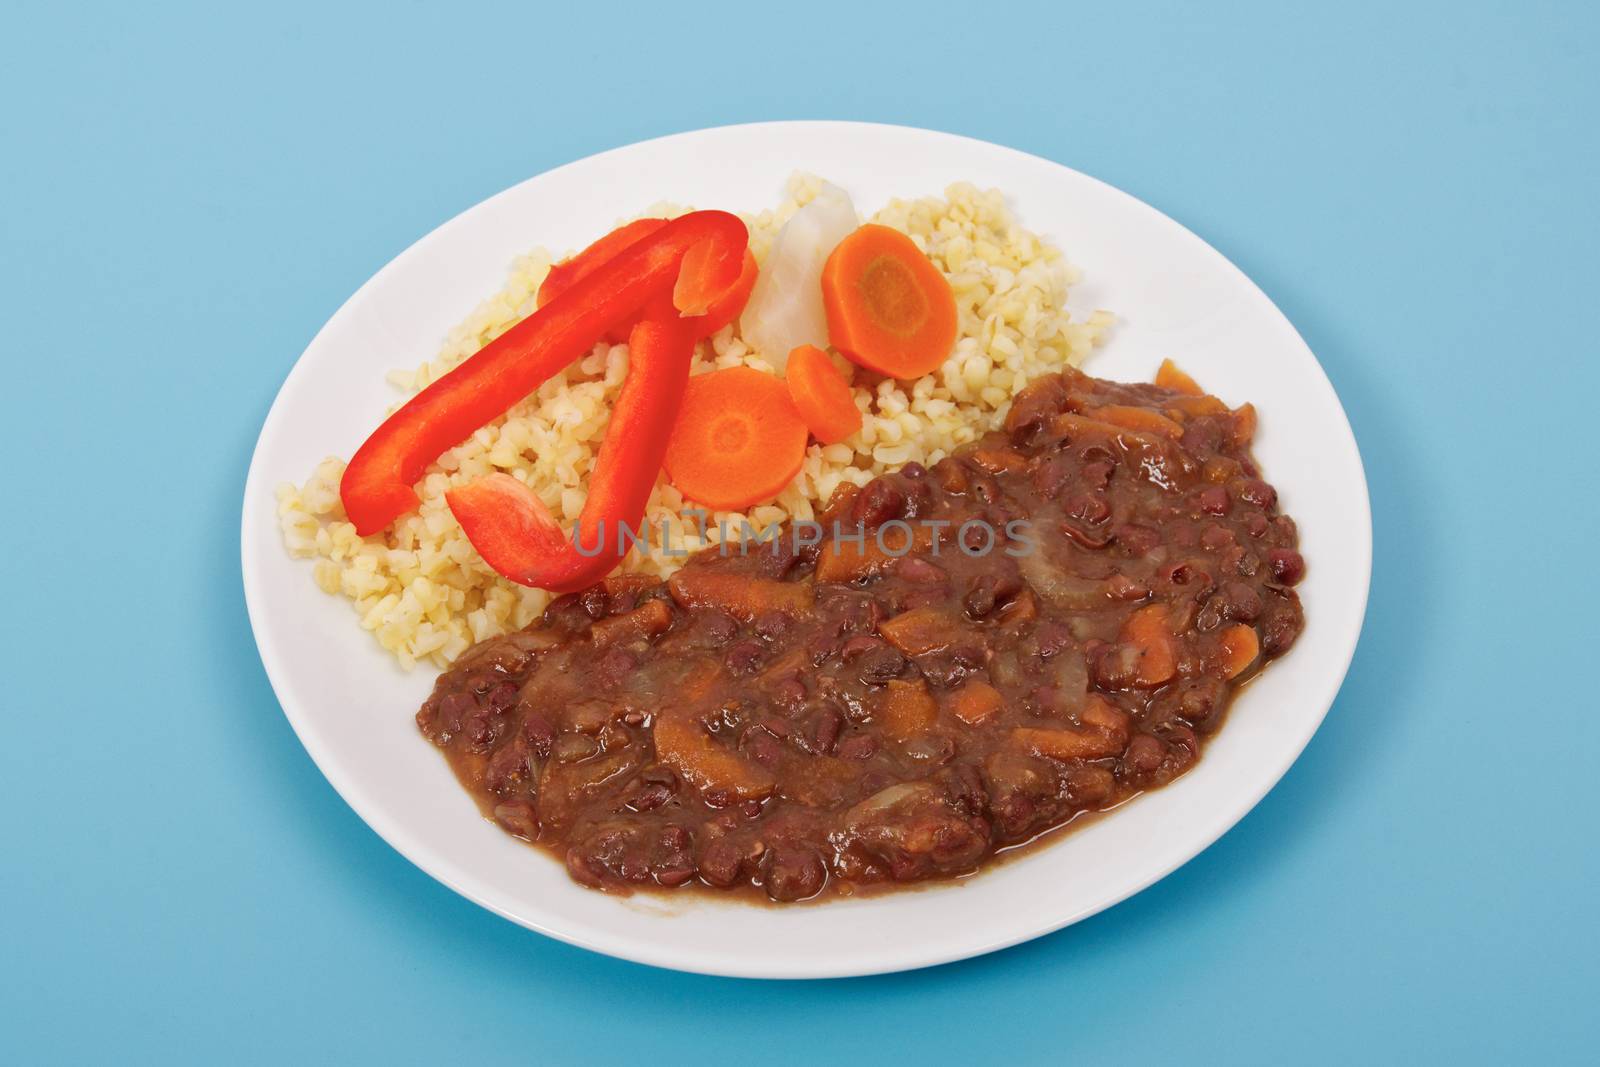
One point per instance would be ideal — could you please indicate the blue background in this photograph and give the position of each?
(186, 196)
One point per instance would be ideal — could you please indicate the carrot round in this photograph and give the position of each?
(1244, 424)
(1169, 376)
(1240, 647)
(976, 702)
(738, 440)
(1146, 629)
(889, 308)
(821, 395)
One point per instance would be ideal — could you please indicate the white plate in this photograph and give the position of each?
(1174, 296)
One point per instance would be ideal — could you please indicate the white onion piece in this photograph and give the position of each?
(1062, 589)
(785, 308)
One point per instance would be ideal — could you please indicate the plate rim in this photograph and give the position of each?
(421, 854)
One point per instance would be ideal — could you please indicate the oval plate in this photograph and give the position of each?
(1174, 296)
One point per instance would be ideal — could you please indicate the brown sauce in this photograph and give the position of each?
(1041, 626)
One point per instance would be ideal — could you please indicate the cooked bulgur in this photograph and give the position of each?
(420, 587)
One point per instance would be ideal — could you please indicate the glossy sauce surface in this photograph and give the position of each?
(1042, 625)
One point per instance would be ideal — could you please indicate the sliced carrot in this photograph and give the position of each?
(1197, 405)
(1104, 733)
(630, 584)
(1240, 647)
(1136, 418)
(743, 597)
(1220, 470)
(683, 744)
(1168, 376)
(738, 440)
(792, 663)
(1244, 424)
(838, 505)
(1100, 714)
(821, 395)
(976, 702)
(907, 710)
(650, 619)
(1146, 629)
(1075, 426)
(889, 308)
(998, 460)
(921, 630)
(1023, 609)
(857, 556)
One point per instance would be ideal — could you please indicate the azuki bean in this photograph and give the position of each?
(1256, 493)
(876, 666)
(773, 625)
(761, 746)
(794, 873)
(743, 657)
(718, 628)
(1287, 565)
(1213, 500)
(879, 502)
(720, 862)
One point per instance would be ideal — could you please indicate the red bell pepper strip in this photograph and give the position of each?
(730, 304)
(377, 485)
(563, 274)
(724, 310)
(513, 530)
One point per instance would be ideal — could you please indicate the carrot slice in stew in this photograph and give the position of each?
(976, 702)
(997, 460)
(1240, 647)
(1074, 425)
(650, 619)
(854, 557)
(1168, 376)
(889, 308)
(921, 630)
(738, 439)
(631, 584)
(821, 395)
(1196, 405)
(683, 744)
(1244, 424)
(1022, 609)
(742, 597)
(1146, 630)
(1136, 419)
(1104, 733)
(908, 710)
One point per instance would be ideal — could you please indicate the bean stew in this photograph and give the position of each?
(956, 660)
